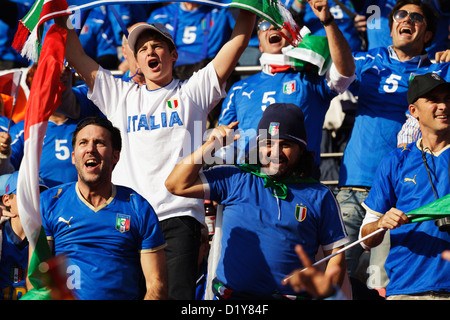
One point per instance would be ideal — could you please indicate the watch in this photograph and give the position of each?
(328, 21)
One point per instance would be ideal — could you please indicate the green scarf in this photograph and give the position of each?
(279, 187)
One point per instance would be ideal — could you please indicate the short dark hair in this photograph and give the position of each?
(430, 17)
(116, 139)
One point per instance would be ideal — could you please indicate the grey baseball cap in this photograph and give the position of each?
(138, 30)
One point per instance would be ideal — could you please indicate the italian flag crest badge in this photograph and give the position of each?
(300, 212)
(173, 103)
(123, 222)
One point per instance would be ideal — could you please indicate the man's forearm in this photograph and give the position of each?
(340, 51)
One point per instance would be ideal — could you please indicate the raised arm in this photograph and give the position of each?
(228, 56)
(184, 179)
(340, 51)
(84, 65)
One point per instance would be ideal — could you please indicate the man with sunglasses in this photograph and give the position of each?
(383, 76)
(248, 98)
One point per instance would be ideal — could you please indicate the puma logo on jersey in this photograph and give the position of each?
(411, 180)
(249, 95)
(61, 219)
(405, 148)
(57, 194)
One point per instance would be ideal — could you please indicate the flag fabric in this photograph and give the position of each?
(10, 83)
(312, 52)
(45, 97)
(437, 209)
(27, 37)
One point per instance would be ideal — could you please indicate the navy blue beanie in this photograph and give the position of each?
(284, 121)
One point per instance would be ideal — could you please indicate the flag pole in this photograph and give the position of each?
(342, 250)
(14, 102)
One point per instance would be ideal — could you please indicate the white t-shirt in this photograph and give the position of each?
(159, 128)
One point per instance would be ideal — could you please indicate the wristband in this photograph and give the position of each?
(301, 2)
(328, 21)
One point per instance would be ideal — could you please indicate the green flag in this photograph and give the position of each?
(437, 209)
(312, 53)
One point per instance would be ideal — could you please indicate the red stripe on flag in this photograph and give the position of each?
(46, 88)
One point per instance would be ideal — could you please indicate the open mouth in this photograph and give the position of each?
(153, 64)
(441, 116)
(274, 38)
(406, 30)
(91, 163)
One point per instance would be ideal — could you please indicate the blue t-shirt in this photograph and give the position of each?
(248, 98)
(198, 34)
(378, 32)
(381, 86)
(97, 36)
(344, 22)
(56, 159)
(414, 263)
(102, 244)
(261, 231)
(13, 264)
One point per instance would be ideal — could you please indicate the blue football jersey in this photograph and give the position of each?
(13, 264)
(344, 22)
(248, 98)
(414, 263)
(97, 36)
(103, 244)
(260, 231)
(56, 159)
(381, 86)
(198, 34)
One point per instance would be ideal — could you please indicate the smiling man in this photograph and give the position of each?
(268, 208)
(278, 83)
(161, 122)
(409, 178)
(382, 80)
(109, 233)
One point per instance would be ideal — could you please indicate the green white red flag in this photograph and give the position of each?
(44, 99)
(27, 39)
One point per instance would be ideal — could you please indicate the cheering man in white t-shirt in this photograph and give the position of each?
(161, 122)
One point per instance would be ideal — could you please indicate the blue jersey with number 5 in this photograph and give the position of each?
(381, 86)
(56, 162)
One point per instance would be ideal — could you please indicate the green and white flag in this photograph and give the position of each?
(312, 52)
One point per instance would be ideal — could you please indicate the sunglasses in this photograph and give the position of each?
(401, 15)
(264, 25)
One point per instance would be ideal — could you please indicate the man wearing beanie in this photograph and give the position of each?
(270, 205)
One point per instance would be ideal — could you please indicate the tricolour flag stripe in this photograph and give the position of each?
(45, 97)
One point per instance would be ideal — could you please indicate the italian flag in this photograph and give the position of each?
(27, 40)
(45, 97)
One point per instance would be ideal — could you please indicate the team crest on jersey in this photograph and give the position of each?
(274, 128)
(123, 222)
(289, 87)
(300, 212)
(16, 273)
(173, 103)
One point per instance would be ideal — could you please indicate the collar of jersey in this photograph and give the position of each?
(278, 186)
